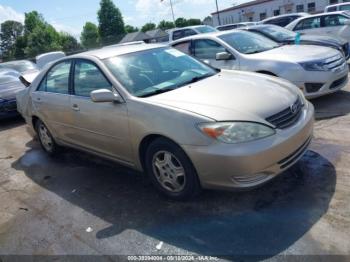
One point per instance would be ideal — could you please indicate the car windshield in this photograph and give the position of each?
(155, 71)
(276, 32)
(205, 29)
(19, 66)
(248, 43)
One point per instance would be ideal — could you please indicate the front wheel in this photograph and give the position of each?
(171, 171)
(45, 138)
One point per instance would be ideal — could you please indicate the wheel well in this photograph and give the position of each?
(266, 73)
(34, 120)
(146, 141)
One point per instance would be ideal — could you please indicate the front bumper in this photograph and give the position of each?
(8, 108)
(330, 81)
(246, 165)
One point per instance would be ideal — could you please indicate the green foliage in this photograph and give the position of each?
(148, 26)
(69, 43)
(182, 22)
(89, 37)
(33, 20)
(111, 25)
(10, 31)
(165, 25)
(41, 40)
(130, 29)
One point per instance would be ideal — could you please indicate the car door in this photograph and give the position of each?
(99, 127)
(310, 26)
(335, 25)
(206, 50)
(52, 100)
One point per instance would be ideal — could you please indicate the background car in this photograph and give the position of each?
(21, 66)
(9, 87)
(284, 36)
(316, 70)
(283, 20)
(47, 58)
(337, 7)
(332, 24)
(159, 110)
(178, 33)
(235, 26)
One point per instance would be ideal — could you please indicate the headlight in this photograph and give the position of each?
(236, 132)
(314, 66)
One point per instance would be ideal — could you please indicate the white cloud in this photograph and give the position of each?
(65, 28)
(7, 13)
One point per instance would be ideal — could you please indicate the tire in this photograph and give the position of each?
(46, 140)
(171, 171)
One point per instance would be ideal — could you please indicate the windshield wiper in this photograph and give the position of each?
(157, 92)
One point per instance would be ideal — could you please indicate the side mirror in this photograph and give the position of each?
(224, 56)
(104, 95)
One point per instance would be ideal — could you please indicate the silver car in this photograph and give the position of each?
(158, 110)
(316, 70)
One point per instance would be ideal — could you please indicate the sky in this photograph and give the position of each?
(71, 15)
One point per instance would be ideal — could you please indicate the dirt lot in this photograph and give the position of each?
(47, 205)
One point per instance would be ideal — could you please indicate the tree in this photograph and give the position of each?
(10, 31)
(181, 22)
(193, 21)
(130, 29)
(208, 21)
(69, 43)
(148, 27)
(41, 40)
(165, 25)
(111, 25)
(89, 37)
(33, 20)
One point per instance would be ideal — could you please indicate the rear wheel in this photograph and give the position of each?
(171, 171)
(45, 138)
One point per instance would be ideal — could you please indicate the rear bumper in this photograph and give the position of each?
(246, 165)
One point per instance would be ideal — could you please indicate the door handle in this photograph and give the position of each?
(75, 107)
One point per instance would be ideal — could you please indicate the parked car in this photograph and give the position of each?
(283, 20)
(235, 26)
(21, 66)
(332, 24)
(178, 33)
(316, 70)
(337, 7)
(284, 36)
(158, 110)
(47, 58)
(9, 86)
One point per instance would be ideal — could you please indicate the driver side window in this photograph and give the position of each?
(87, 78)
(207, 49)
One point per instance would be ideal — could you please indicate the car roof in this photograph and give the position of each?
(111, 51)
(285, 15)
(325, 14)
(339, 4)
(16, 62)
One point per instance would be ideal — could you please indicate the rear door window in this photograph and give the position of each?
(309, 23)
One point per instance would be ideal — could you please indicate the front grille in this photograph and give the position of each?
(285, 162)
(338, 82)
(313, 87)
(288, 116)
(346, 50)
(334, 62)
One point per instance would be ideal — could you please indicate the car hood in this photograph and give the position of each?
(9, 90)
(296, 53)
(321, 39)
(232, 95)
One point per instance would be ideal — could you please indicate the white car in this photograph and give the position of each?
(47, 58)
(337, 7)
(178, 33)
(331, 24)
(316, 70)
(235, 26)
